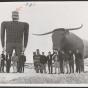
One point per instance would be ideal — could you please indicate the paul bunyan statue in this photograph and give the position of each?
(16, 35)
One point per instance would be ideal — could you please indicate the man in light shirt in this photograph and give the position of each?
(15, 60)
(56, 59)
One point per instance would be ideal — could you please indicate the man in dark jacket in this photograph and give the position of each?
(34, 59)
(3, 61)
(49, 60)
(62, 58)
(22, 62)
(78, 59)
(8, 62)
(71, 61)
(43, 61)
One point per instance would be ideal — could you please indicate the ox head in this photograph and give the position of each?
(58, 36)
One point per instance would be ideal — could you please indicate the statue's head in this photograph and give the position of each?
(15, 15)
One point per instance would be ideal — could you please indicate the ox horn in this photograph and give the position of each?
(74, 28)
(44, 33)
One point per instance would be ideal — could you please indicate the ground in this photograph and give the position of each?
(30, 77)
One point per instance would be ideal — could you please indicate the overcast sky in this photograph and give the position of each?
(44, 17)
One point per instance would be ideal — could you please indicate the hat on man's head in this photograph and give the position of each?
(15, 13)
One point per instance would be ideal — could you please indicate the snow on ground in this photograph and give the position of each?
(30, 76)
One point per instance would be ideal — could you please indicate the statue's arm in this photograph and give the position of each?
(3, 34)
(26, 33)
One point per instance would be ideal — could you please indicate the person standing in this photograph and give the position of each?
(56, 59)
(15, 60)
(2, 61)
(16, 35)
(38, 65)
(34, 59)
(49, 61)
(43, 61)
(71, 61)
(66, 63)
(8, 62)
(22, 62)
(78, 59)
(62, 57)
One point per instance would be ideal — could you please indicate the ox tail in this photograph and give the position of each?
(75, 28)
(43, 33)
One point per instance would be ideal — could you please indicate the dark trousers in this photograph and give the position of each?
(61, 67)
(37, 67)
(2, 68)
(18, 50)
(18, 66)
(34, 65)
(22, 68)
(41, 70)
(71, 66)
(50, 67)
(78, 66)
(7, 67)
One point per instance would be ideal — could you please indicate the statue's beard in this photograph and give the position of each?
(15, 18)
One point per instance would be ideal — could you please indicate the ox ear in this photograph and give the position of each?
(67, 32)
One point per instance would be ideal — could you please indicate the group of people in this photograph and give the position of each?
(59, 59)
(17, 63)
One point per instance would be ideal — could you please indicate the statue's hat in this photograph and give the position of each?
(15, 13)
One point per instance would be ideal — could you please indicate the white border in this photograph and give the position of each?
(48, 85)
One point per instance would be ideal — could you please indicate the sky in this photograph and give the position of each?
(44, 17)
